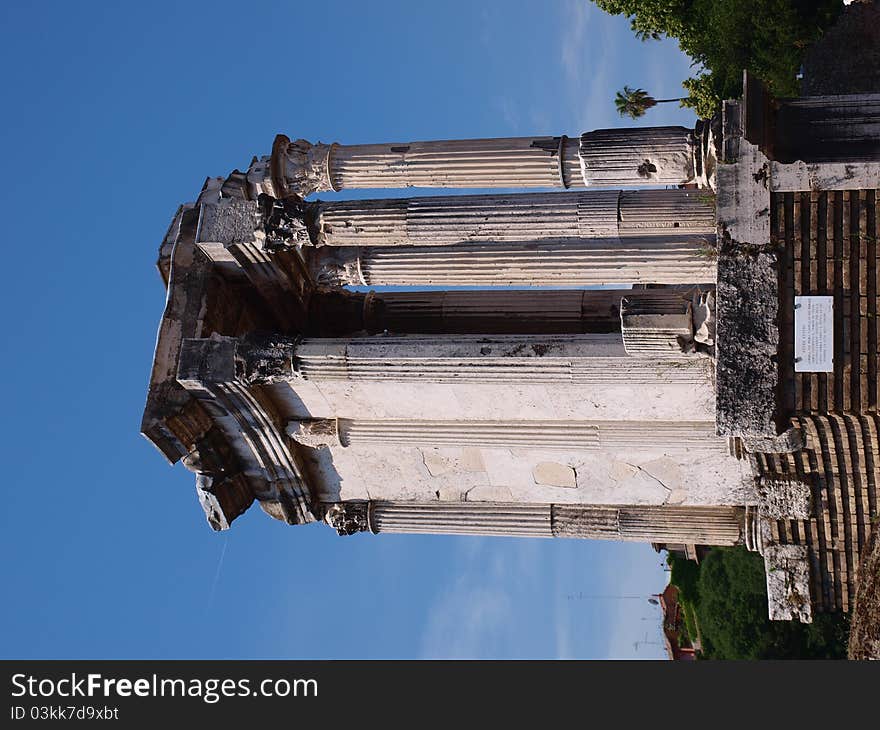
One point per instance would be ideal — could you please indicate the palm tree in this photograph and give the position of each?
(635, 102)
(647, 35)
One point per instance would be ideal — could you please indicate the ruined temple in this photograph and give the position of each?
(612, 359)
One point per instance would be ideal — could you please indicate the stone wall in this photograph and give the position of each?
(827, 243)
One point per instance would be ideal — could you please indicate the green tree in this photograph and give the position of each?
(723, 37)
(635, 102)
(702, 97)
(684, 575)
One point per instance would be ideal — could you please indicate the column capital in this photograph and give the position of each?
(299, 168)
(348, 518)
(338, 267)
(314, 432)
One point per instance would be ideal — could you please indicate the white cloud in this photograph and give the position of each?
(575, 19)
(586, 57)
(477, 616)
(635, 572)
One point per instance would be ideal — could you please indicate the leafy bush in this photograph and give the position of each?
(732, 615)
(684, 574)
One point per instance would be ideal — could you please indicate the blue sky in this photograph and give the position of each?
(115, 113)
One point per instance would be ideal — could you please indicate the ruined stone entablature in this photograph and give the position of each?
(545, 411)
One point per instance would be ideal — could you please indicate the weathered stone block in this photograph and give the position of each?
(782, 498)
(788, 583)
(747, 340)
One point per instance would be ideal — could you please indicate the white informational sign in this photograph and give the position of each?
(813, 334)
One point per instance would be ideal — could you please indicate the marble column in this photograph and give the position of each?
(651, 523)
(445, 220)
(552, 311)
(659, 155)
(586, 262)
(335, 312)
(579, 359)
(586, 358)
(638, 523)
(616, 237)
(644, 156)
(520, 434)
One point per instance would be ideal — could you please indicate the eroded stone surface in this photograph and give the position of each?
(785, 443)
(788, 583)
(781, 498)
(300, 168)
(747, 341)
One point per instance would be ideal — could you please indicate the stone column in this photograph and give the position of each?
(445, 220)
(336, 312)
(585, 262)
(580, 359)
(496, 359)
(651, 523)
(639, 523)
(451, 518)
(660, 155)
(520, 434)
(553, 311)
(609, 238)
(590, 358)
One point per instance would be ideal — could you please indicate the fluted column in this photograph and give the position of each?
(659, 155)
(590, 358)
(445, 220)
(651, 523)
(520, 434)
(585, 262)
(553, 311)
(597, 238)
(482, 311)
(495, 312)
(451, 518)
(639, 523)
